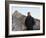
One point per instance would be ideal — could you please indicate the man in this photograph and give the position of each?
(29, 22)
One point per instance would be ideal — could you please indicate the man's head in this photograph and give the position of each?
(29, 14)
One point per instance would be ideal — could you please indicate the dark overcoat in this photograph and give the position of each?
(29, 22)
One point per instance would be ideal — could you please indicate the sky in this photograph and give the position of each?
(35, 11)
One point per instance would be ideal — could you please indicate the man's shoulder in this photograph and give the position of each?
(32, 17)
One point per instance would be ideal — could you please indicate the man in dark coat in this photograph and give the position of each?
(29, 22)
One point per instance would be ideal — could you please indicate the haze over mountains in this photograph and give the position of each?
(18, 22)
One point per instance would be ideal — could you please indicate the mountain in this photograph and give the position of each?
(18, 22)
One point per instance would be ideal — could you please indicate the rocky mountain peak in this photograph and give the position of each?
(17, 14)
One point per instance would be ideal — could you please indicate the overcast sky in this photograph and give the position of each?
(35, 11)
